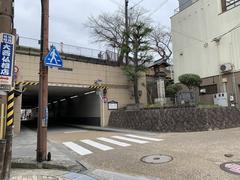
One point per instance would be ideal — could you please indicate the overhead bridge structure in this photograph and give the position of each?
(75, 91)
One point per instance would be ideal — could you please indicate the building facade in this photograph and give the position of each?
(206, 41)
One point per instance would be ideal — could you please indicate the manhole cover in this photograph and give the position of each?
(35, 177)
(156, 159)
(231, 167)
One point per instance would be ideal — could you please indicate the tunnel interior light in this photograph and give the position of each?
(54, 102)
(73, 97)
(62, 100)
(91, 92)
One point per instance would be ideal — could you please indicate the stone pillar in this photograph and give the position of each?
(104, 113)
(161, 91)
(161, 88)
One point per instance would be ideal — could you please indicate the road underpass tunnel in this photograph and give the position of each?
(67, 105)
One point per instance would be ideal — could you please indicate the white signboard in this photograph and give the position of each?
(7, 42)
(112, 105)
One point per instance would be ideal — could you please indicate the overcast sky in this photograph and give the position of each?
(67, 17)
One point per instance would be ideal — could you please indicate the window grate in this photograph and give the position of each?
(229, 4)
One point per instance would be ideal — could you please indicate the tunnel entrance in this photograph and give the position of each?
(67, 105)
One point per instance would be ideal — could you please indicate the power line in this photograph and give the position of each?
(234, 28)
(115, 2)
(183, 34)
(136, 4)
(158, 8)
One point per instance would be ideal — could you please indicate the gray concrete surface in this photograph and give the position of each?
(196, 156)
(23, 174)
(24, 154)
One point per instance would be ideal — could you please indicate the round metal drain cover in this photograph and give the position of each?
(231, 167)
(156, 159)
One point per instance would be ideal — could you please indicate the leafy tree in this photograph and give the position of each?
(109, 29)
(138, 49)
(190, 80)
(172, 89)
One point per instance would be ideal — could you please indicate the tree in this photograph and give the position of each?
(190, 80)
(144, 39)
(138, 49)
(172, 89)
(109, 29)
(161, 43)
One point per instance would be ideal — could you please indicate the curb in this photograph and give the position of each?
(94, 128)
(58, 165)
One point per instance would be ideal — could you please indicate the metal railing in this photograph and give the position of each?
(70, 49)
(232, 3)
(184, 6)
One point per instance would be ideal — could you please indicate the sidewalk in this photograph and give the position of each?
(43, 174)
(24, 154)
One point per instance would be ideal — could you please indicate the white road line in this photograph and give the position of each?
(131, 139)
(142, 137)
(69, 132)
(97, 145)
(76, 148)
(114, 142)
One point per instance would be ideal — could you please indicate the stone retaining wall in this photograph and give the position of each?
(176, 119)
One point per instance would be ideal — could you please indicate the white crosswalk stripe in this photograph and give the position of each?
(76, 148)
(97, 145)
(142, 137)
(114, 142)
(131, 139)
(81, 150)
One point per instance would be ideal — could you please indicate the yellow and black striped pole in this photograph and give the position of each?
(10, 108)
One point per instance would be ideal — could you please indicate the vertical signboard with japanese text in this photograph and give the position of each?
(7, 42)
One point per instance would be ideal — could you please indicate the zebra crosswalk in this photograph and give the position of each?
(106, 143)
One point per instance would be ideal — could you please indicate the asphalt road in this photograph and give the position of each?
(196, 156)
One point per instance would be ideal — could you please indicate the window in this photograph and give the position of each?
(209, 89)
(229, 4)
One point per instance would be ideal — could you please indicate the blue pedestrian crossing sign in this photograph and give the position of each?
(53, 58)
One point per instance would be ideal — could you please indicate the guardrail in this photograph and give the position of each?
(70, 49)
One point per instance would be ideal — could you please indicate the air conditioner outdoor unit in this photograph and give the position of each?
(203, 91)
(227, 67)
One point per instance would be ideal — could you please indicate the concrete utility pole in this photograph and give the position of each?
(126, 28)
(6, 16)
(6, 26)
(43, 86)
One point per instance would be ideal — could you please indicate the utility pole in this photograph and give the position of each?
(43, 86)
(126, 29)
(6, 21)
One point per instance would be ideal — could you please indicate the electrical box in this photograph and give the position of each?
(221, 99)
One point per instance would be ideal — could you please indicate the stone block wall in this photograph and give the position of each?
(176, 119)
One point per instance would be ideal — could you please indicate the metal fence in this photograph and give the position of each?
(183, 5)
(232, 3)
(70, 49)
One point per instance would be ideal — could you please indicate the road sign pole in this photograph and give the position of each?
(43, 86)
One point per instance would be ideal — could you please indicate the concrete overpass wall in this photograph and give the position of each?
(82, 71)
